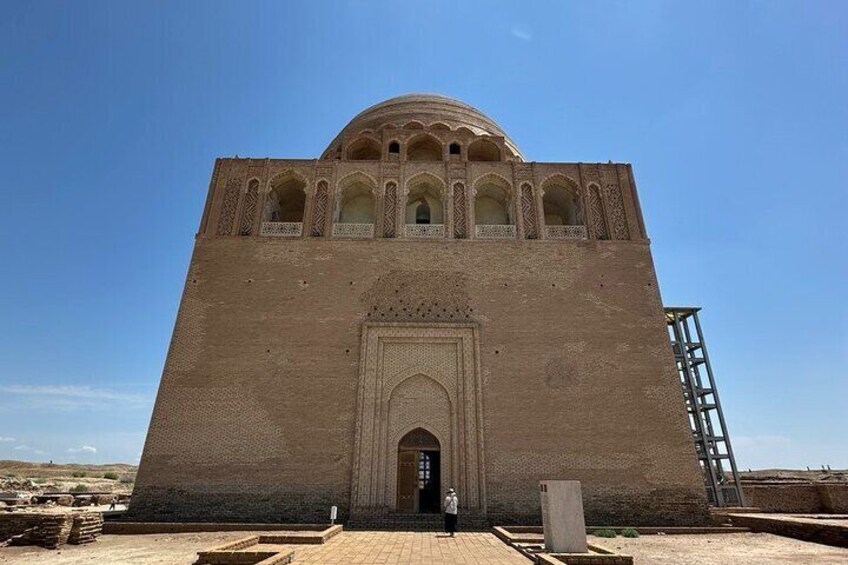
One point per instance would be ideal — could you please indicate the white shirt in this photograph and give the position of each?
(451, 504)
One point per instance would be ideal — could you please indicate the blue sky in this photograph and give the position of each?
(733, 114)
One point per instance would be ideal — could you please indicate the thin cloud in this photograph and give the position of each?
(521, 32)
(71, 396)
(83, 449)
(6, 439)
(24, 447)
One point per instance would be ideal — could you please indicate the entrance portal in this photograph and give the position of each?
(419, 473)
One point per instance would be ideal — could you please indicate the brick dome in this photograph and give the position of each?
(423, 111)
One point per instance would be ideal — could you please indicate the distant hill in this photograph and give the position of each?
(26, 469)
(794, 476)
(37, 478)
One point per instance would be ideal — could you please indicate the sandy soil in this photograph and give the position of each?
(712, 549)
(154, 549)
(724, 549)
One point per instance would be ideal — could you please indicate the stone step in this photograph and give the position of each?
(400, 521)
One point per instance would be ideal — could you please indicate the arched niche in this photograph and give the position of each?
(424, 200)
(424, 148)
(286, 201)
(483, 150)
(493, 202)
(364, 149)
(355, 202)
(561, 202)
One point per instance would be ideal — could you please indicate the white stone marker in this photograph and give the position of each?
(562, 517)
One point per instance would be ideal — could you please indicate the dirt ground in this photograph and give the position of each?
(430, 548)
(724, 549)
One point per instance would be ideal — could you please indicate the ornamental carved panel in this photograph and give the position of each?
(596, 211)
(248, 211)
(460, 212)
(228, 208)
(618, 217)
(390, 210)
(528, 211)
(319, 210)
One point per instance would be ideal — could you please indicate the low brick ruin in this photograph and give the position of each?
(266, 548)
(49, 530)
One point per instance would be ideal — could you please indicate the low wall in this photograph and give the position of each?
(794, 527)
(136, 528)
(811, 498)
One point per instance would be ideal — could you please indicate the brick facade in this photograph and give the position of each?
(564, 370)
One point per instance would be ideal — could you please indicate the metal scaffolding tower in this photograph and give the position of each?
(712, 441)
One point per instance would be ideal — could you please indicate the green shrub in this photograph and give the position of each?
(79, 488)
(127, 479)
(111, 476)
(629, 533)
(78, 474)
(604, 533)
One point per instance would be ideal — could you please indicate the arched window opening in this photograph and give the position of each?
(394, 148)
(356, 205)
(284, 207)
(424, 148)
(562, 207)
(454, 150)
(493, 210)
(286, 201)
(563, 211)
(424, 214)
(491, 206)
(364, 149)
(483, 150)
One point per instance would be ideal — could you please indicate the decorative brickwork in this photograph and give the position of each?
(460, 211)
(417, 376)
(597, 217)
(228, 208)
(618, 217)
(528, 211)
(494, 231)
(248, 212)
(390, 210)
(419, 296)
(319, 211)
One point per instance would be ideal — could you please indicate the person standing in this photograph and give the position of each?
(451, 512)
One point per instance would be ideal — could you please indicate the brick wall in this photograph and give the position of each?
(802, 497)
(255, 415)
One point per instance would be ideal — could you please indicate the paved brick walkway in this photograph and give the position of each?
(413, 548)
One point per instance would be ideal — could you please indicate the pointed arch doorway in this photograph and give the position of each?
(419, 472)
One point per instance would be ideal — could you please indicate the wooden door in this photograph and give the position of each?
(407, 476)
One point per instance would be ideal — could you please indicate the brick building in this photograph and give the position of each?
(419, 308)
